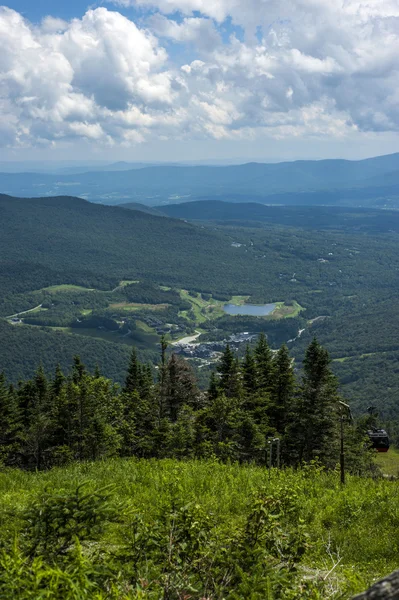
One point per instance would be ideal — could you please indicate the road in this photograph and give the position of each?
(187, 340)
(24, 312)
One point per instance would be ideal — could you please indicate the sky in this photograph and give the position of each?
(174, 80)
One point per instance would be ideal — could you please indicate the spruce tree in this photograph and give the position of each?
(182, 387)
(58, 382)
(78, 370)
(132, 381)
(35, 402)
(313, 431)
(282, 390)
(264, 363)
(229, 371)
(213, 389)
(249, 374)
(10, 424)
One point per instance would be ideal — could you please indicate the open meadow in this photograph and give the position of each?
(193, 530)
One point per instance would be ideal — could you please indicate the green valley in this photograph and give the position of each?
(104, 277)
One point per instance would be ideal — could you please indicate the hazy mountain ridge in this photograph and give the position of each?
(367, 182)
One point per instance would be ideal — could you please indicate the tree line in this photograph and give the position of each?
(47, 422)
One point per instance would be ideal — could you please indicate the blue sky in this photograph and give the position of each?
(196, 80)
(35, 10)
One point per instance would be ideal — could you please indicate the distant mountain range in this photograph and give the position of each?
(372, 182)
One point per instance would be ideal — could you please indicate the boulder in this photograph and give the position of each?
(386, 589)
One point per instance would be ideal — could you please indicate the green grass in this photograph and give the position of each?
(282, 311)
(144, 327)
(134, 307)
(67, 288)
(127, 282)
(355, 528)
(206, 310)
(342, 359)
(389, 462)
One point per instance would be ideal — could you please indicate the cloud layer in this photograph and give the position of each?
(301, 67)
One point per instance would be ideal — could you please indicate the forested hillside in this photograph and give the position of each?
(360, 220)
(95, 280)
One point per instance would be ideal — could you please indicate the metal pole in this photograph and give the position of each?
(342, 456)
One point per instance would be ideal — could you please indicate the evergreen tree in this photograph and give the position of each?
(229, 371)
(10, 424)
(36, 406)
(132, 382)
(146, 381)
(249, 374)
(213, 389)
(282, 390)
(264, 363)
(182, 386)
(78, 370)
(58, 382)
(313, 430)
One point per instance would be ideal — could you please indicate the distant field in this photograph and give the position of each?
(205, 310)
(133, 306)
(143, 331)
(283, 311)
(67, 288)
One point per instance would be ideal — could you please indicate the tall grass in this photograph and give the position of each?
(353, 531)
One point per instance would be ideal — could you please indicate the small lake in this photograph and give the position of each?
(252, 310)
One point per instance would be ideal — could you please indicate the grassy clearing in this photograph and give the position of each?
(133, 306)
(367, 355)
(144, 327)
(67, 288)
(353, 529)
(282, 311)
(389, 462)
(126, 282)
(205, 310)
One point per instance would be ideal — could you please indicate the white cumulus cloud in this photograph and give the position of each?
(301, 67)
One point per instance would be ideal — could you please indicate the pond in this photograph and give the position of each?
(252, 310)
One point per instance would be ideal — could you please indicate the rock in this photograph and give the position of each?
(386, 589)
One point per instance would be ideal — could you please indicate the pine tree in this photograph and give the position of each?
(313, 431)
(182, 387)
(132, 382)
(36, 406)
(213, 389)
(229, 371)
(282, 390)
(249, 374)
(96, 418)
(264, 363)
(10, 424)
(78, 370)
(146, 382)
(58, 382)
